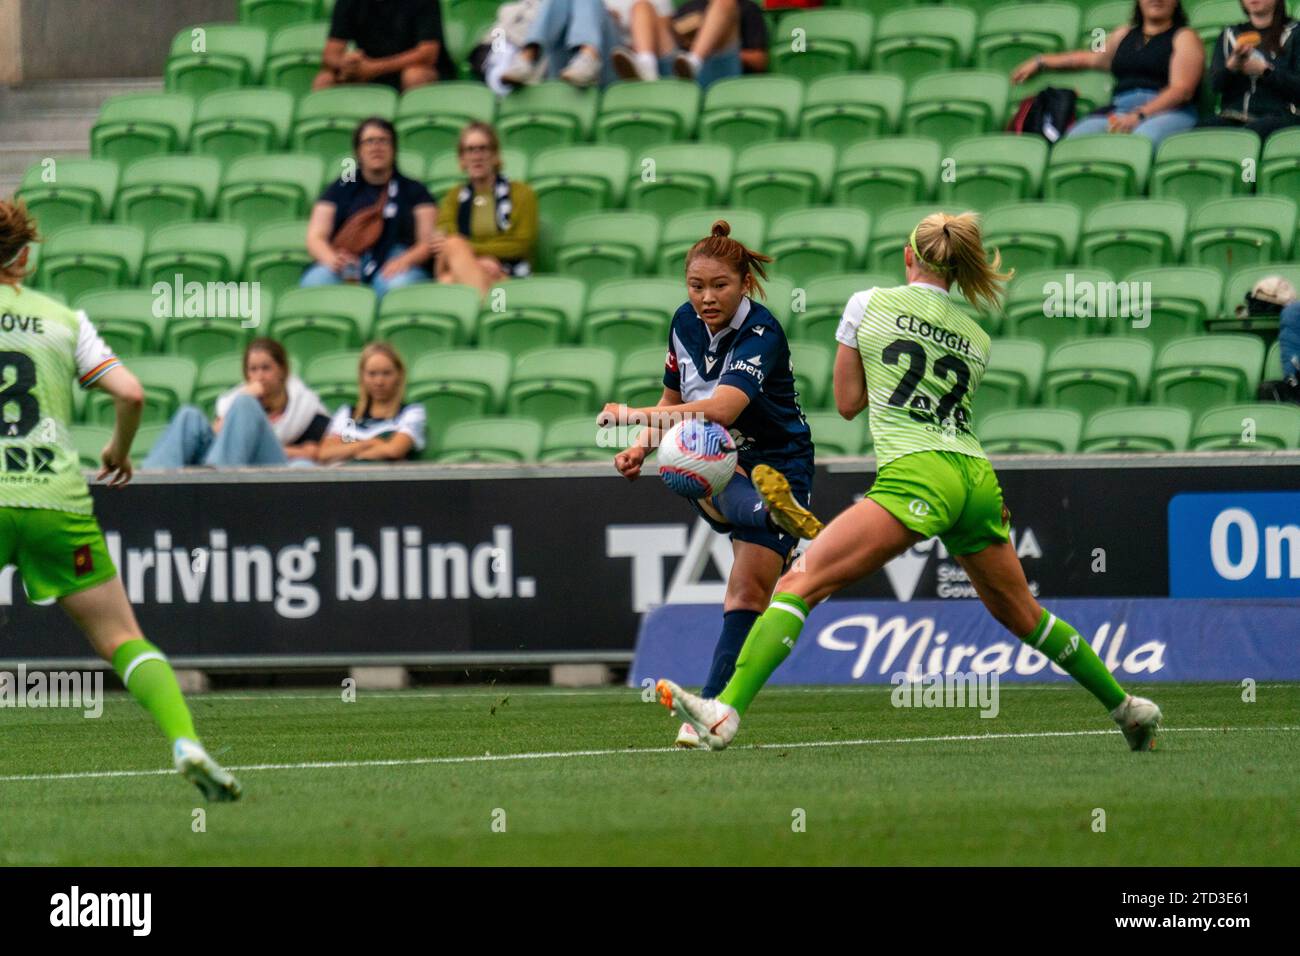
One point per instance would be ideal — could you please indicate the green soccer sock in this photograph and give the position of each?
(150, 679)
(1062, 645)
(769, 643)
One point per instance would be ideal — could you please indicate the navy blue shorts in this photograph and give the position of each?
(781, 543)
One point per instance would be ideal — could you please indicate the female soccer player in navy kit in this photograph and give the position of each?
(729, 362)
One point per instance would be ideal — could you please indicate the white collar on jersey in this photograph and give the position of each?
(737, 320)
(931, 285)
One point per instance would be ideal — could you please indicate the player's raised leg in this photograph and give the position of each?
(104, 615)
(999, 580)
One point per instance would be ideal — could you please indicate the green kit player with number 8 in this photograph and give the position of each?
(917, 360)
(47, 521)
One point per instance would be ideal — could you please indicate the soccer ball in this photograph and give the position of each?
(697, 458)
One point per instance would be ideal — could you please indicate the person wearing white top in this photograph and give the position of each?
(380, 426)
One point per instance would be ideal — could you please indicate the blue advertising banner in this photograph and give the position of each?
(1235, 545)
(1141, 639)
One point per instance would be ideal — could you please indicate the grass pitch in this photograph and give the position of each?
(585, 777)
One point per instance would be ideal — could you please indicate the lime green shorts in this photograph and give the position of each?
(956, 497)
(57, 552)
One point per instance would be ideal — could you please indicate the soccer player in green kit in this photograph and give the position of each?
(47, 521)
(916, 359)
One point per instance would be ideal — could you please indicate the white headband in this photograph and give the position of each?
(13, 259)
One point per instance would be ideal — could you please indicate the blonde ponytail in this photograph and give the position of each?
(951, 247)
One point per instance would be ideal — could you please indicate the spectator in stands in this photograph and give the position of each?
(1157, 61)
(573, 39)
(271, 419)
(1289, 340)
(1256, 70)
(702, 40)
(487, 226)
(380, 426)
(398, 43)
(373, 225)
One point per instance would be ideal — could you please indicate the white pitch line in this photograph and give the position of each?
(560, 754)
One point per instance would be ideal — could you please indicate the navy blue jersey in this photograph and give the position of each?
(750, 354)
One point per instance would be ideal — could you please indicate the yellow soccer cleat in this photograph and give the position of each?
(787, 514)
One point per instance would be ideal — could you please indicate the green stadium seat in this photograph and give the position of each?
(1132, 233)
(814, 363)
(687, 228)
(1203, 371)
(1234, 294)
(168, 383)
(576, 438)
(272, 15)
(1052, 305)
(201, 336)
(1031, 431)
(885, 173)
(277, 255)
(843, 108)
(333, 376)
(310, 321)
(1090, 374)
(550, 384)
(1104, 16)
(427, 316)
(234, 123)
(64, 192)
(79, 259)
(197, 251)
(218, 375)
(457, 384)
(1279, 167)
(1091, 169)
(445, 172)
(920, 40)
(949, 106)
(742, 110)
(1204, 164)
(774, 176)
(889, 234)
(824, 302)
(1182, 299)
(125, 320)
(877, 7)
(990, 171)
(832, 435)
(1248, 427)
(606, 245)
(215, 56)
(832, 41)
(819, 239)
(548, 114)
(640, 380)
(261, 189)
(537, 312)
(132, 125)
(1013, 377)
(572, 180)
(158, 190)
(683, 175)
(327, 119)
(430, 118)
(779, 295)
(644, 115)
(1229, 234)
(1157, 428)
(1209, 17)
(1092, 87)
(89, 441)
(145, 438)
(628, 314)
(491, 440)
(1011, 33)
(1033, 235)
(294, 57)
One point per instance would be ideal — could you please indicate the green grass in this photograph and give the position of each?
(1229, 795)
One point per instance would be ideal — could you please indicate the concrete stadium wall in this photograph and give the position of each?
(93, 39)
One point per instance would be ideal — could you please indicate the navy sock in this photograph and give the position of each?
(741, 505)
(735, 628)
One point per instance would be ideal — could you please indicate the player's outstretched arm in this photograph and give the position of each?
(850, 383)
(128, 403)
(629, 461)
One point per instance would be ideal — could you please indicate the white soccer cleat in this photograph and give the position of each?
(1138, 720)
(689, 739)
(194, 764)
(716, 723)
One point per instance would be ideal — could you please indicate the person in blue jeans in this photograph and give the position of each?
(572, 40)
(701, 40)
(399, 256)
(271, 419)
(1157, 62)
(1289, 340)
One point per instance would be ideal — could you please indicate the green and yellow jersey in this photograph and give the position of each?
(44, 347)
(923, 358)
